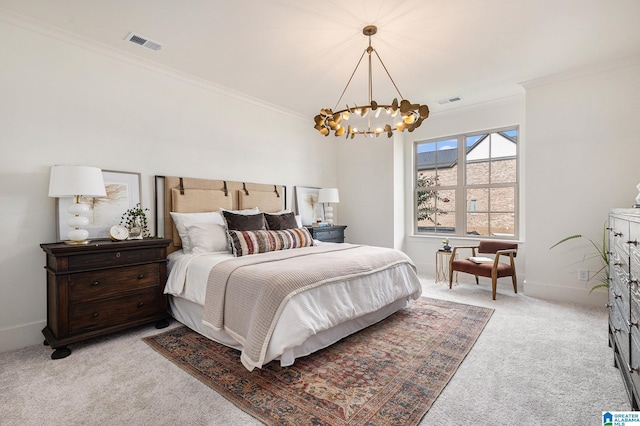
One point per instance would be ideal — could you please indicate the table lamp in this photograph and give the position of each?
(328, 196)
(76, 182)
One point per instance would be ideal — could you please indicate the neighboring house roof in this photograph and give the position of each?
(447, 158)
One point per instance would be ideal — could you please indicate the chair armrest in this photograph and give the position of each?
(507, 252)
(455, 249)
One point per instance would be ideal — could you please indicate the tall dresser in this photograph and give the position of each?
(624, 297)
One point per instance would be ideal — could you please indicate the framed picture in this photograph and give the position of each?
(309, 209)
(123, 193)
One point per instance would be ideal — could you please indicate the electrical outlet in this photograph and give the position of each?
(583, 274)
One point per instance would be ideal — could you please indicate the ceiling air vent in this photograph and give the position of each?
(449, 100)
(143, 41)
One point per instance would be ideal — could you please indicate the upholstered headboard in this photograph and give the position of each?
(190, 195)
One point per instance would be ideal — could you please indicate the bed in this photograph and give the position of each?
(267, 288)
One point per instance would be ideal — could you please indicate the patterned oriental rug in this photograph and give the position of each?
(388, 373)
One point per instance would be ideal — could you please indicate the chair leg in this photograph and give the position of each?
(477, 282)
(450, 277)
(515, 283)
(494, 286)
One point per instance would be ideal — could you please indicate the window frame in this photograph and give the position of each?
(461, 188)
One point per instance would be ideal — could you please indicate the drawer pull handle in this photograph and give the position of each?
(616, 330)
(141, 276)
(95, 283)
(632, 324)
(118, 253)
(617, 234)
(632, 369)
(632, 282)
(140, 305)
(617, 296)
(608, 305)
(95, 315)
(617, 263)
(634, 242)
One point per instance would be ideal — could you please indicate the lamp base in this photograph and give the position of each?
(77, 235)
(328, 214)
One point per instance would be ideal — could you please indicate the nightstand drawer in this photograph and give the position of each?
(88, 286)
(94, 315)
(329, 234)
(113, 258)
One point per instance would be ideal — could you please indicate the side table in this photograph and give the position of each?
(443, 258)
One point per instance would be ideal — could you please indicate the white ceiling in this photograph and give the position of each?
(299, 54)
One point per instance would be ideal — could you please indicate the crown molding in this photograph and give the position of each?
(79, 41)
(480, 105)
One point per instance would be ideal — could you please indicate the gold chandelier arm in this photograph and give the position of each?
(349, 82)
(389, 75)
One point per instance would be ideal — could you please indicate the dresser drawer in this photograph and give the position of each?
(113, 258)
(118, 310)
(87, 286)
(634, 358)
(620, 330)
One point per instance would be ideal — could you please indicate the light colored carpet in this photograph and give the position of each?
(536, 362)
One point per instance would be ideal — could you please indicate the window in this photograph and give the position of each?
(468, 185)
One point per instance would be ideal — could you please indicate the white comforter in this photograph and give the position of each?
(310, 312)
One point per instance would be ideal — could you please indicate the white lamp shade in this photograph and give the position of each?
(69, 181)
(328, 195)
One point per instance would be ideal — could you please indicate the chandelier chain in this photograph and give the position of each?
(349, 82)
(389, 75)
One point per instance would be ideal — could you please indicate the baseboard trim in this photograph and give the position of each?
(558, 293)
(21, 336)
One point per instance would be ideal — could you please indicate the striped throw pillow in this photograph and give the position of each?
(262, 241)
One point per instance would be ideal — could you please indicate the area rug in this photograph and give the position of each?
(388, 373)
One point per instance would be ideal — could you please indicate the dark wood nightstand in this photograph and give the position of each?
(103, 287)
(330, 234)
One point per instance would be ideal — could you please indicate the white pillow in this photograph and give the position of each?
(184, 220)
(207, 238)
(254, 210)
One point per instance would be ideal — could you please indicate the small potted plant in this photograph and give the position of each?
(446, 246)
(135, 219)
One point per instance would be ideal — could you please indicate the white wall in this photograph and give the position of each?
(64, 102)
(366, 182)
(583, 158)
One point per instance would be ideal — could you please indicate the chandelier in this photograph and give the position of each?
(410, 115)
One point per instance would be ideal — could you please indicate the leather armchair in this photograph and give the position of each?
(493, 270)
